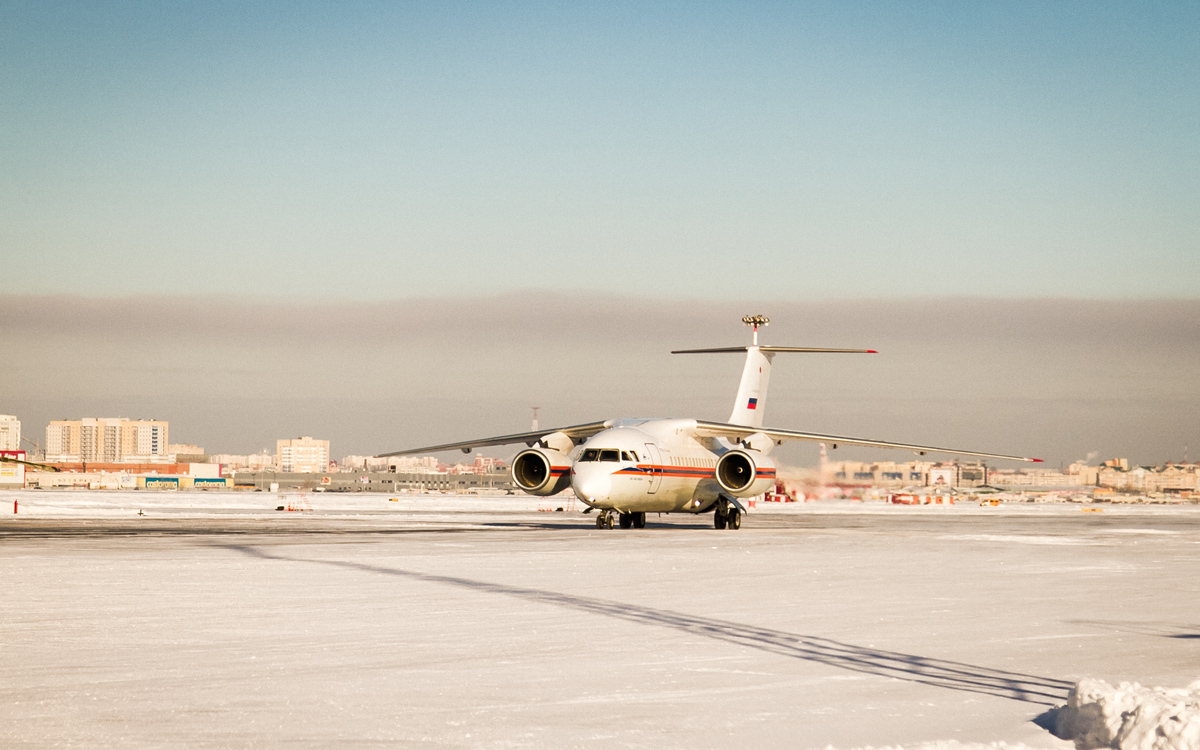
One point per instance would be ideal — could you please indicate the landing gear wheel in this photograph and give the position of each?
(608, 522)
(600, 521)
(735, 519)
(626, 520)
(639, 520)
(718, 520)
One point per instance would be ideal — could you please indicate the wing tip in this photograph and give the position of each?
(1036, 460)
(872, 351)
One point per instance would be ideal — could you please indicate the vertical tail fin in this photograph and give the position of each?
(752, 391)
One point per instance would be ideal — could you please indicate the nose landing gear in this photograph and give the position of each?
(626, 520)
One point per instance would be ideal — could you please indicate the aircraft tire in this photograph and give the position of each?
(600, 522)
(626, 520)
(639, 520)
(718, 521)
(608, 522)
(735, 519)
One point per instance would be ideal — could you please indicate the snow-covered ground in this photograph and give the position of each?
(214, 620)
(98, 503)
(114, 504)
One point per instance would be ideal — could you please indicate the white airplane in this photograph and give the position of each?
(631, 467)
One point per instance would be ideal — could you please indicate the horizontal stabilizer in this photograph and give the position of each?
(799, 349)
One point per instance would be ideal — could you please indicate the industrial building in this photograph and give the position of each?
(376, 481)
(12, 474)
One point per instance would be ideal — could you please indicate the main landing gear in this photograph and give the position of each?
(626, 520)
(727, 516)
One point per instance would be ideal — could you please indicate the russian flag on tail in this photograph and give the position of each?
(753, 404)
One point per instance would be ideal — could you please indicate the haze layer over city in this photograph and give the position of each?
(1058, 379)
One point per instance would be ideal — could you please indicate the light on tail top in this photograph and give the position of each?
(754, 321)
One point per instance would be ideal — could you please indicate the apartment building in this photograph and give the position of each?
(10, 433)
(1170, 478)
(107, 440)
(254, 461)
(302, 455)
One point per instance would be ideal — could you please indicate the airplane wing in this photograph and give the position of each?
(529, 438)
(32, 464)
(734, 431)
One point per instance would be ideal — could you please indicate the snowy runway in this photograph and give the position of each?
(214, 621)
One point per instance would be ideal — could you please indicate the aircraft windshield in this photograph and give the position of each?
(605, 454)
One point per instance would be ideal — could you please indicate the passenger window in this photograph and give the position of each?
(625, 456)
(609, 455)
(591, 454)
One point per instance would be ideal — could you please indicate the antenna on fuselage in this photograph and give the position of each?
(534, 427)
(754, 321)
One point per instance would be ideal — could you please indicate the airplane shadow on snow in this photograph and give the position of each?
(909, 667)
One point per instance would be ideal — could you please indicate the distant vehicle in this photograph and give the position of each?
(631, 467)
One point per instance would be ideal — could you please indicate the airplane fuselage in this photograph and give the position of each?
(653, 466)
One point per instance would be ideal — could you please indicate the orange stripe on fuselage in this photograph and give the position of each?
(680, 471)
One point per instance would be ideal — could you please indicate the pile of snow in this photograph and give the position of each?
(951, 745)
(1129, 717)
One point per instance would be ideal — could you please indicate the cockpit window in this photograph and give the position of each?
(635, 456)
(607, 454)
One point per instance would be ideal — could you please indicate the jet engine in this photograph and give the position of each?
(541, 471)
(745, 473)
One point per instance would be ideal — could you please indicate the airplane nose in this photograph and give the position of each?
(591, 486)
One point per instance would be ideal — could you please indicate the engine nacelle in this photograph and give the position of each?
(745, 473)
(541, 471)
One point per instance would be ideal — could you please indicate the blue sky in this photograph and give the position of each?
(690, 150)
